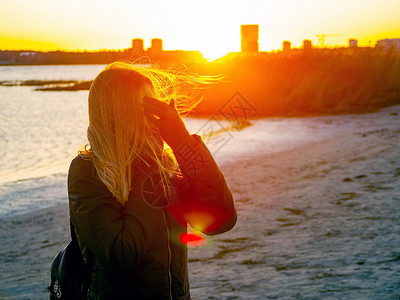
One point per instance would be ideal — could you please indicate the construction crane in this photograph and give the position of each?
(321, 38)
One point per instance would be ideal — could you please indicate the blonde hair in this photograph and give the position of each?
(122, 142)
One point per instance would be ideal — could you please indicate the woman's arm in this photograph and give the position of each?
(207, 201)
(208, 205)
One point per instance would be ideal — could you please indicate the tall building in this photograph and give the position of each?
(249, 35)
(353, 43)
(156, 46)
(286, 46)
(137, 46)
(307, 45)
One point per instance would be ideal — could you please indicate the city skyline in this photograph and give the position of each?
(213, 28)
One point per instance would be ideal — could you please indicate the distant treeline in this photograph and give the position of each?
(305, 84)
(163, 59)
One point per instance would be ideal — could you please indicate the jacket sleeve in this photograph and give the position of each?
(115, 234)
(207, 203)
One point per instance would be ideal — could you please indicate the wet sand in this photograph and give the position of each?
(318, 221)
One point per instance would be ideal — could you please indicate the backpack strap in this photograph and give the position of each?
(90, 256)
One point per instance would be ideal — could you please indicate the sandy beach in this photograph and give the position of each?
(321, 220)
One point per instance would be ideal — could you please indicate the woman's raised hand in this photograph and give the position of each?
(167, 119)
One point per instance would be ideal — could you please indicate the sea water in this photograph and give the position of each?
(39, 134)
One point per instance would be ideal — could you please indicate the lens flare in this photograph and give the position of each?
(192, 239)
(199, 220)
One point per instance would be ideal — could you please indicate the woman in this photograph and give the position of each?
(131, 198)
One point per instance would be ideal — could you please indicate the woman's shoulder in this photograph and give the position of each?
(82, 159)
(81, 164)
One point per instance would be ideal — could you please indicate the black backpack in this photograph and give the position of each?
(70, 276)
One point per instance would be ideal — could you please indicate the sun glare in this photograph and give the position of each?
(214, 47)
(214, 54)
(192, 239)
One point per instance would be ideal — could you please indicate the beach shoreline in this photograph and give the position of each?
(291, 204)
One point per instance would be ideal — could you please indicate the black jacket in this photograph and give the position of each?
(138, 254)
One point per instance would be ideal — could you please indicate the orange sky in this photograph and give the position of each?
(213, 27)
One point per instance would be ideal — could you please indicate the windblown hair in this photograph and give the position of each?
(123, 143)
